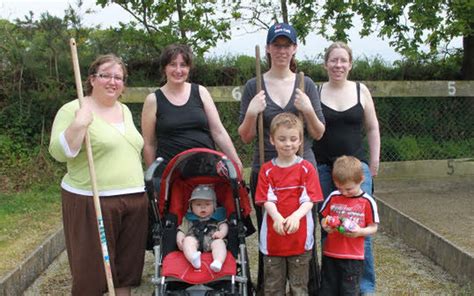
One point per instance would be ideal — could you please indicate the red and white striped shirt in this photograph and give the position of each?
(288, 188)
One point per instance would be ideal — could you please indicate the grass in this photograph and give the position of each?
(402, 270)
(26, 219)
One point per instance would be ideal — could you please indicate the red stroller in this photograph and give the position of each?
(174, 275)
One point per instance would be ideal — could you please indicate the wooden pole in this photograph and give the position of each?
(261, 148)
(90, 159)
(300, 115)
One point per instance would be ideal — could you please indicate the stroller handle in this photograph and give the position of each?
(151, 169)
(230, 167)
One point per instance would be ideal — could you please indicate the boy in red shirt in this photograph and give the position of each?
(287, 188)
(349, 214)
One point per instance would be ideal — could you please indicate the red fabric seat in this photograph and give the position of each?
(175, 265)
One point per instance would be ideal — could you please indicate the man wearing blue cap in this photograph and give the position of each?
(279, 94)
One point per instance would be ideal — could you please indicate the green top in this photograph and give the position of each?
(117, 156)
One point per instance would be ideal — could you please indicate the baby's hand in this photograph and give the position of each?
(217, 235)
(292, 224)
(179, 242)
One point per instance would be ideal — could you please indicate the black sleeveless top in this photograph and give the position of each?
(179, 128)
(343, 135)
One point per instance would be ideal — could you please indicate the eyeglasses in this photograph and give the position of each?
(108, 77)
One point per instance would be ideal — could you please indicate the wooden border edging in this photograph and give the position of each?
(18, 280)
(378, 89)
(455, 261)
(427, 168)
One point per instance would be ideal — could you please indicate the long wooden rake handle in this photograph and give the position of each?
(261, 148)
(90, 159)
(300, 115)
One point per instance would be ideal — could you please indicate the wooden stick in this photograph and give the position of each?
(300, 115)
(261, 148)
(90, 159)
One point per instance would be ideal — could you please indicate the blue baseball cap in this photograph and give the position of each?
(281, 29)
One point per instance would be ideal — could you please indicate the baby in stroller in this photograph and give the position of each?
(204, 228)
(191, 177)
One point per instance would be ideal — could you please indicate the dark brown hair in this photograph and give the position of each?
(99, 61)
(170, 53)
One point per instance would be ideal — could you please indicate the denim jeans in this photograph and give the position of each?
(367, 282)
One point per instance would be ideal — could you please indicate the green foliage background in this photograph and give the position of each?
(36, 78)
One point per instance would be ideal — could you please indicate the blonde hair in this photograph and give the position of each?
(347, 169)
(288, 120)
(337, 44)
(99, 61)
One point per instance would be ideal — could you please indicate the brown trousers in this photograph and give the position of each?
(278, 269)
(125, 223)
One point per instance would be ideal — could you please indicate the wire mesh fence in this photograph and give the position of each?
(426, 128)
(419, 120)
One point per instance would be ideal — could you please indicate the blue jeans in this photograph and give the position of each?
(367, 281)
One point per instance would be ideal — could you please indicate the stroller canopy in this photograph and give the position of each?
(201, 166)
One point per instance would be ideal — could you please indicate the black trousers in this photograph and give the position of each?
(340, 276)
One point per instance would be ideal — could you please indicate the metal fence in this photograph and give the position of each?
(425, 128)
(419, 120)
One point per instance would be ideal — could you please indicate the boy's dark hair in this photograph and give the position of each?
(288, 120)
(347, 169)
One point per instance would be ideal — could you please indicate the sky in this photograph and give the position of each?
(241, 42)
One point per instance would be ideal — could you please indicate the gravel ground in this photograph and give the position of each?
(400, 269)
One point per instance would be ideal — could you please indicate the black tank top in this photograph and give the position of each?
(343, 135)
(179, 128)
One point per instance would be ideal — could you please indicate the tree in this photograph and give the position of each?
(35, 68)
(198, 23)
(414, 23)
(407, 24)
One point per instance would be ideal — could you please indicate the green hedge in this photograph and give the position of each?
(36, 78)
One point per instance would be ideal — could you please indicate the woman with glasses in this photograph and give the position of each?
(116, 148)
(350, 114)
(279, 94)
